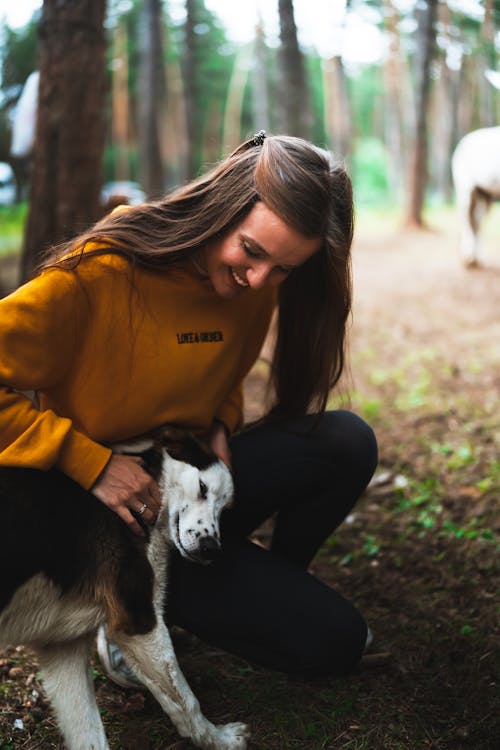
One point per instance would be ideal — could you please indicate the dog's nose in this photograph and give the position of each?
(209, 548)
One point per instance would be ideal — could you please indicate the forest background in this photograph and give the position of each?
(419, 555)
(180, 93)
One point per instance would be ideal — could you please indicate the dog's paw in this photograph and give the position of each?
(232, 736)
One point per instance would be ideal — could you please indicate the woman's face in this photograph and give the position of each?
(260, 251)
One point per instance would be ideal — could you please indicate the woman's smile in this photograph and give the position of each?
(237, 278)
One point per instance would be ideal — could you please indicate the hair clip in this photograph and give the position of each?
(258, 138)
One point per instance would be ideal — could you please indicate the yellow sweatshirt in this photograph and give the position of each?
(114, 352)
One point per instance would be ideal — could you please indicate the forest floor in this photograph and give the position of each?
(419, 556)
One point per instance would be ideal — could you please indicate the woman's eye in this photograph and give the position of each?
(248, 250)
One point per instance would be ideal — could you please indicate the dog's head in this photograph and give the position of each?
(196, 486)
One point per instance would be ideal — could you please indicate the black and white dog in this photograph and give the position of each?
(69, 565)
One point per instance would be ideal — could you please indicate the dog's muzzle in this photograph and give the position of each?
(209, 548)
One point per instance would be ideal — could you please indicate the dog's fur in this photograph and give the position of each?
(69, 564)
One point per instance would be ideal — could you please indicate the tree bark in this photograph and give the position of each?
(231, 135)
(153, 99)
(175, 146)
(294, 94)
(190, 88)
(337, 111)
(66, 176)
(120, 103)
(488, 60)
(260, 84)
(394, 121)
(426, 15)
(444, 109)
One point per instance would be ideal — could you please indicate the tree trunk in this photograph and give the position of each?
(153, 99)
(190, 88)
(260, 84)
(444, 113)
(337, 114)
(66, 175)
(294, 94)
(120, 103)
(175, 146)
(426, 14)
(488, 60)
(394, 121)
(231, 135)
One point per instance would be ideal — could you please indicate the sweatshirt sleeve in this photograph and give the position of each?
(37, 339)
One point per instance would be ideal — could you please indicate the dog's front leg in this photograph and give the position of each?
(153, 659)
(69, 687)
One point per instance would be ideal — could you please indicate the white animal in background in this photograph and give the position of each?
(24, 118)
(475, 167)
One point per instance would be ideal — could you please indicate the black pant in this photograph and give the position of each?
(264, 605)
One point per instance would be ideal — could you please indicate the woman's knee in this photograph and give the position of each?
(351, 442)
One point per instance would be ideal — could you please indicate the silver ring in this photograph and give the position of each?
(142, 509)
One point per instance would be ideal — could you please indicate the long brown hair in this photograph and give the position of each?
(308, 190)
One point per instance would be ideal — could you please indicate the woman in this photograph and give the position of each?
(155, 316)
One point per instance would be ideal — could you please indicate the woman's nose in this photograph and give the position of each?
(258, 275)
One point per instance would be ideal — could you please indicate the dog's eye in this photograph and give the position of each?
(203, 489)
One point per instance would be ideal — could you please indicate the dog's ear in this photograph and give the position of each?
(173, 439)
(184, 446)
(173, 433)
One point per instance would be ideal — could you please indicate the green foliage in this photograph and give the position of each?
(12, 223)
(369, 171)
(18, 53)
(366, 99)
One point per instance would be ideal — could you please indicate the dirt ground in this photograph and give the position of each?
(419, 556)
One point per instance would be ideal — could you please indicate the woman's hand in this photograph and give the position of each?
(124, 486)
(218, 442)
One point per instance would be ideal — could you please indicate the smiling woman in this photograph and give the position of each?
(262, 250)
(155, 316)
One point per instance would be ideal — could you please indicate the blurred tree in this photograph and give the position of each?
(294, 92)
(395, 120)
(233, 116)
(191, 83)
(174, 137)
(488, 59)
(207, 63)
(260, 81)
(120, 105)
(337, 107)
(66, 176)
(153, 99)
(444, 104)
(417, 177)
